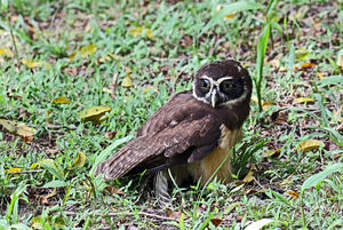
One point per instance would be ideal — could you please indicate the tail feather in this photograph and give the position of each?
(129, 156)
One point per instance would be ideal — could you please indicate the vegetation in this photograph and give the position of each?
(59, 59)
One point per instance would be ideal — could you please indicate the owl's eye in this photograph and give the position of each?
(227, 85)
(205, 85)
(232, 88)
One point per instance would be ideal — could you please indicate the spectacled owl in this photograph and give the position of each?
(193, 133)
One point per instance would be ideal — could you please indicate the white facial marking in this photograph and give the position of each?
(213, 98)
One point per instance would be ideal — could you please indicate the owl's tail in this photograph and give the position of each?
(126, 158)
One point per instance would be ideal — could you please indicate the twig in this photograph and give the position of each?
(26, 172)
(146, 214)
(113, 86)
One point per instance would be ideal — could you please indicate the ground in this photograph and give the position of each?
(59, 58)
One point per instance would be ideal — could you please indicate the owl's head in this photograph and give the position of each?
(223, 83)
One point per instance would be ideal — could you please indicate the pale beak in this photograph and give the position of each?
(214, 98)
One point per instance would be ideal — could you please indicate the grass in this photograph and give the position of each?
(84, 49)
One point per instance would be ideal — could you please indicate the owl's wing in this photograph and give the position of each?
(182, 140)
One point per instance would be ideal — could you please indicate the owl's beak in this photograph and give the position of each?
(214, 98)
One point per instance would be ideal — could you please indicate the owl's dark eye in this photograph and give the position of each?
(232, 88)
(205, 85)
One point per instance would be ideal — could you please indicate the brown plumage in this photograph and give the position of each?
(193, 132)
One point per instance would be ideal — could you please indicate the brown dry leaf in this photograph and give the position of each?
(216, 221)
(61, 100)
(292, 194)
(95, 114)
(110, 135)
(304, 100)
(137, 31)
(310, 144)
(272, 152)
(173, 214)
(28, 139)
(6, 52)
(80, 160)
(18, 128)
(127, 82)
(114, 190)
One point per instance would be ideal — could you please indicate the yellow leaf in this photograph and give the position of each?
(30, 63)
(61, 100)
(35, 165)
(95, 114)
(266, 105)
(254, 99)
(127, 82)
(72, 56)
(6, 52)
(292, 194)
(88, 50)
(302, 54)
(80, 160)
(310, 144)
(249, 177)
(304, 100)
(229, 16)
(320, 75)
(18, 128)
(14, 170)
(272, 152)
(137, 31)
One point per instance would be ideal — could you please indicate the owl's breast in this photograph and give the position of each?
(220, 157)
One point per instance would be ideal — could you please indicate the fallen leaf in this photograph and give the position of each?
(35, 165)
(6, 52)
(111, 134)
(95, 114)
(137, 31)
(302, 54)
(28, 139)
(258, 225)
(292, 194)
(18, 128)
(88, 50)
(310, 144)
(305, 66)
(114, 190)
(250, 176)
(229, 16)
(339, 59)
(61, 100)
(127, 82)
(13, 170)
(80, 160)
(272, 152)
(216, 221)
(30, 63)
(320, 75)
(173, 214)
(304, 100)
